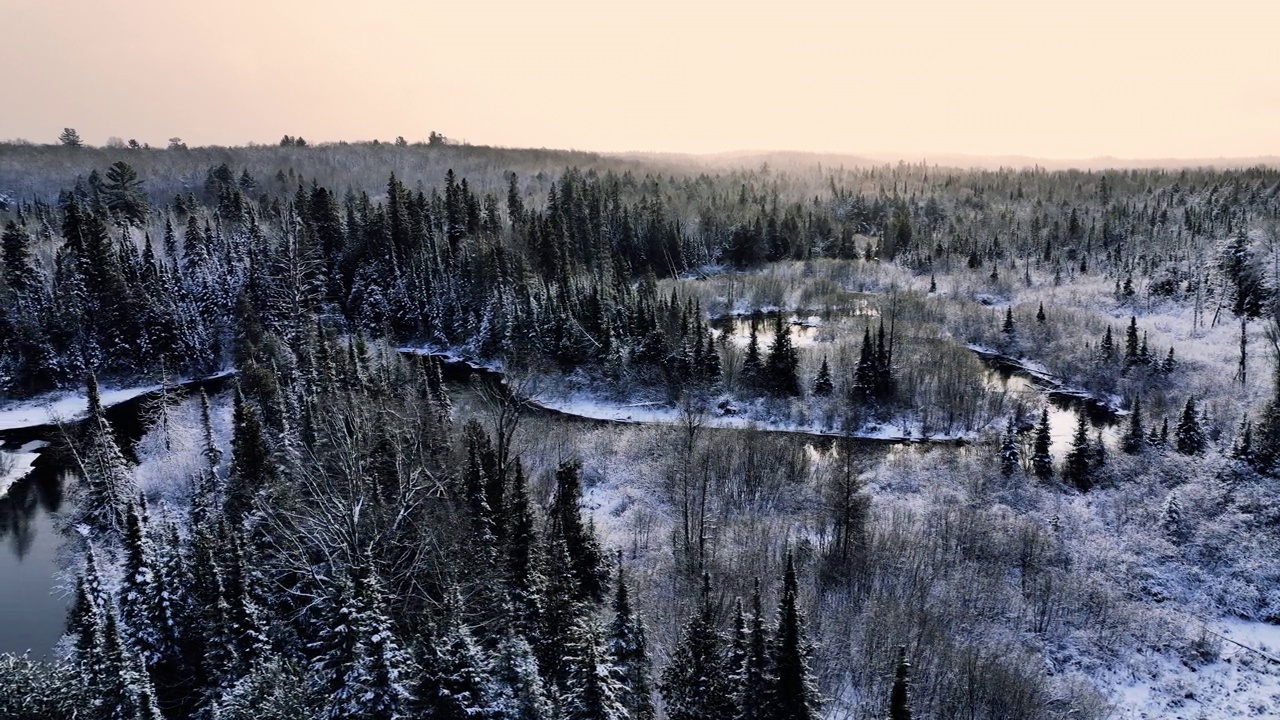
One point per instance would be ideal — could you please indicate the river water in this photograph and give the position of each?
(33, 601)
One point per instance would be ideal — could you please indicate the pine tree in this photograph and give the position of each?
(822, 383)
(455, 683)
(695, 686)
(252, 465)
(756, 685)
(1078, 467)
(1131, 345)
(1242, 448)
(752, 366)
(794, 694)
(1135, 438)
(1041, 460)
(21, 271)
(1040, 317)
(1266, 438)
(781, 362)
(900, 698)
(521, 556)
(515, 671)
(588, 565)
(1010, 455)
(1107, 350)
(105, 471)
(1007, 328)
(1188, 436)
(593, 690)
(361, 668)
(628, 650)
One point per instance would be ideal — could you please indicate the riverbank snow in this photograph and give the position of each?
(17, 464)
(56, 408)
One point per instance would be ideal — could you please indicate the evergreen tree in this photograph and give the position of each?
(106, 473)
(1010, 455)
(1041, 460)
(588, 565)
(1188, 437)
(361, 668)
(455, 683)
(123, 194)
(1135, 438)
(524, 696)
(21, 271)
(752, 366)
(695, 686)
(794, 694)
(1079, 464)
(781, 362)
(1242, 448)
(629, 653)
(1007, 328)
(822, 383)
(1266, 439)
(899, 698)
(593, 690)
(1107, 350)
(756, 685)
(1131, 346)
(252, 465)
(1040, 317)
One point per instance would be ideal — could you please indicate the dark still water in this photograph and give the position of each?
(32, 607)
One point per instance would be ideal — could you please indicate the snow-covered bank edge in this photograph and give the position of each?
(63, 407)
(18, 464)
(658, 413)
(1043, 379)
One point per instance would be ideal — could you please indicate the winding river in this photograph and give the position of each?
(33, 602)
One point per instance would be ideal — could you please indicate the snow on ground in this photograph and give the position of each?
(69, 406)
(658, 413)
(1239, 680)
(14, 465)
(451, 356)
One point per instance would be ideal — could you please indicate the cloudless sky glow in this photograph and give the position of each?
(1049, 78)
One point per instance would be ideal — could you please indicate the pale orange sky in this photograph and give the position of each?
(1049, 78)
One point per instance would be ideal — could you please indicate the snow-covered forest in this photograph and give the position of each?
(745, 440)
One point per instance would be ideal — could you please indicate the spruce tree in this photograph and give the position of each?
(752, 365)
(252, 465)
(106, 473)
(1010, 455)
(822, 383)
(1266, 437)
(1135, 438)
(794, 694)
(781, 362)
(1131, 345)
(1107, 350)
(1041, 459)
(695, 686)
(593, 690)
(1188, 436)
(1079, 463)
(756, 684)
(629, 653)
(588, 564)
(899, 697)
